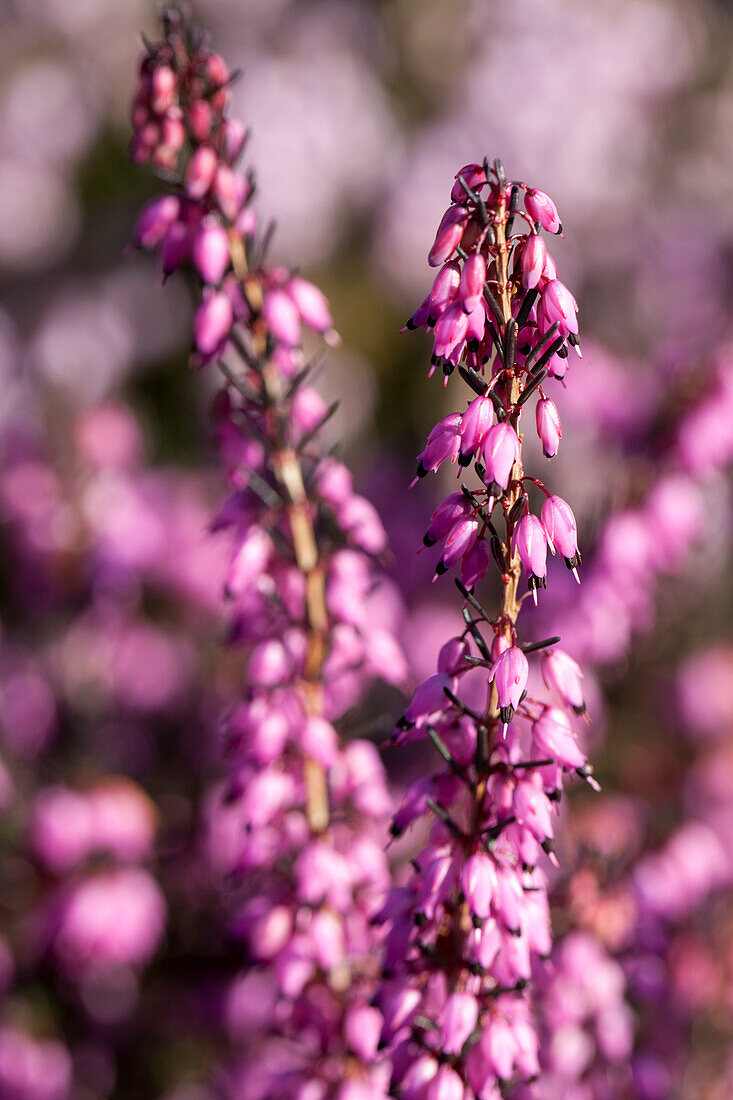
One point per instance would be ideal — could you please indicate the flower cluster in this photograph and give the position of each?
(299, 824)
(464, 930)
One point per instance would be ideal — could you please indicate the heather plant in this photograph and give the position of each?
(464, 929)
(299, 825)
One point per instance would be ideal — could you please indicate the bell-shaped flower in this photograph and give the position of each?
(552, 736)
(564, 676)
(549, 428)
(561, 529)
(530, 543)
(509, 673)
(499, 451)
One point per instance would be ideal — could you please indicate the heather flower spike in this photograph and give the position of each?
(306, 814)
(466, 933)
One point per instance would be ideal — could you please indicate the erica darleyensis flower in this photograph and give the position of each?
(464, 930)
(302, 815)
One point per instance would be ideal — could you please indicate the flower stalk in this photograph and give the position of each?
(308, 813)
(464, 933)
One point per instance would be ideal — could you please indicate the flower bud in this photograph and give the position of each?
(200, 171)
(542, 209)
(174, 248)
(155, 220)
(212, 322)
(311, 304)
(230, 191)
(199, 116)
(474, 177)
(457, 1021)
(444, 290)
(534, 255)
(163, 89)
(473, 277)
(282, 318)
(549, 428)
(235, 136)
(499, 451)
(449, 235)
(210, 251)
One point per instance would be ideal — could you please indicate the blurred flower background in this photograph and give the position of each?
(115, 956)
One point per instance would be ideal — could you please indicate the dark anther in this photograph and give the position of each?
(500, 173)
(573, 339)
(448, 368)
(562, 353)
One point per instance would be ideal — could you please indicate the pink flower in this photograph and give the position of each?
(448, 236)
(499, 452)
(534, 257)
(561, 529)
(560, 306)
(530, 543)
(509, 673)
(542, 209)
(549, 429)
(564, 676)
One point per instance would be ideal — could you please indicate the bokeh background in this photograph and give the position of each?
(115, 957)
